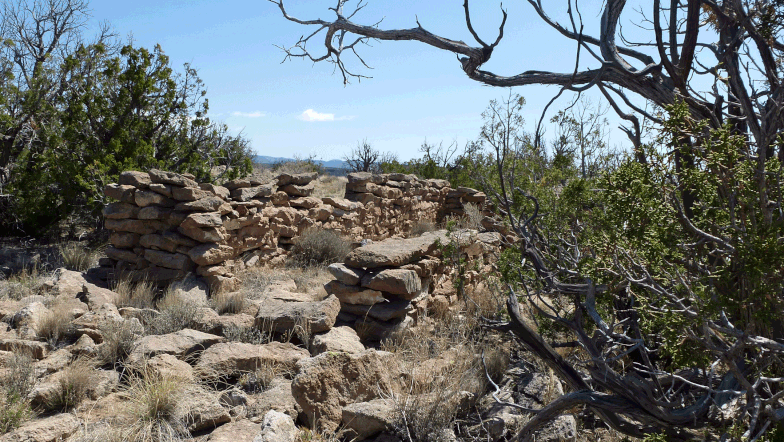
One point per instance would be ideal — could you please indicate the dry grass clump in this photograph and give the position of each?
(55, 326)
(17, 381)
(319, 247)
(174, 314)
(422, 226)
(139, 294)
(261, 378)
(75, 257)
(154, 401)
(228, 303)
(330, 186)
(248, 335)
(118, 339)
(72, 388)
(28, 282)
(443, 372)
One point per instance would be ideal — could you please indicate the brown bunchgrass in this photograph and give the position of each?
(319, 247)
(73, 256)
(55, 326)
(72, 387)
(330, 186)
(28, 282)
(134, 294)
(228, 303)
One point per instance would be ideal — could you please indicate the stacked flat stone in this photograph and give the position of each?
(456, 198)
(166, 225)
(393, 203)
(382, 286)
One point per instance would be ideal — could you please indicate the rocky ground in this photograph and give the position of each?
(285, 358)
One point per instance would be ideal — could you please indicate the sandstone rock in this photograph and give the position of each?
(30, 316)
(166, 365)
(280, 198)
(359, 177)
(124, 239)
(164, 177)
(239, 431)
(190, 290)
(102, 382)
(289, 295)
(121, 254)
(140, 180)
(163, 189)
(341, 203)
(367, 419)
(342, 339)
(401, 282)
(120, 211)
(232, 358)
(216, 190)
(385, 311)
(167, 241)
(37, 350)
(208, 234)
(169, 260)
(209, 254)
(239, 183)
(209, 204)
(144, 198)
(277, 427)
(49, 429)
(122, 193)
(154, 212)
(68, 283)
(220, 283)
(189, 193)
(328, 382)
(351, 294)
(295, 190)
(282, 316)
(307, 202)
(53, 362)
(276, 397)
(371, 330)
(200, 410)
(248, 193)
(210, 219)
(346, 275)
(84, 346)
(135, 226)
(393, 252)
(180, 344)
(300, 179)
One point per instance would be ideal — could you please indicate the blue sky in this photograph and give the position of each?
(298, 108)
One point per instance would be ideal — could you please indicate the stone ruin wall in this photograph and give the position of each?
(165, 225)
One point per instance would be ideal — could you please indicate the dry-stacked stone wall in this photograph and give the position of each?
(165, 225)
(383, 286)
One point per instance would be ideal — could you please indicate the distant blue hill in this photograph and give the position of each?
(334, 164)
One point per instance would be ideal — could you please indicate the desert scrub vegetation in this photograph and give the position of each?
(55, 325)
(16, 382)
(330, 186)
(154, 401)
(228, 303)
(118, 339)
(27, 282)
(72, 387)
(173, 314)
(139, 294)
(319, 247)
(74, 256)
(443, 372)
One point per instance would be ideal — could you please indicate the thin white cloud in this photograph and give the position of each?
(256, 114)
(311, 115)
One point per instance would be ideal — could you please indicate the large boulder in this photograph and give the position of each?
(328, 382)
(393, 252)
(239, 431)
(180, 344)
(200, 410)
(343, 339)
(49, 429)
(366, 419)
(405, 283)
(277, 427)
(233, 358)
(283, 316)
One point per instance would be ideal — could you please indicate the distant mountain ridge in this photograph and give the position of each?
(333, 164)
